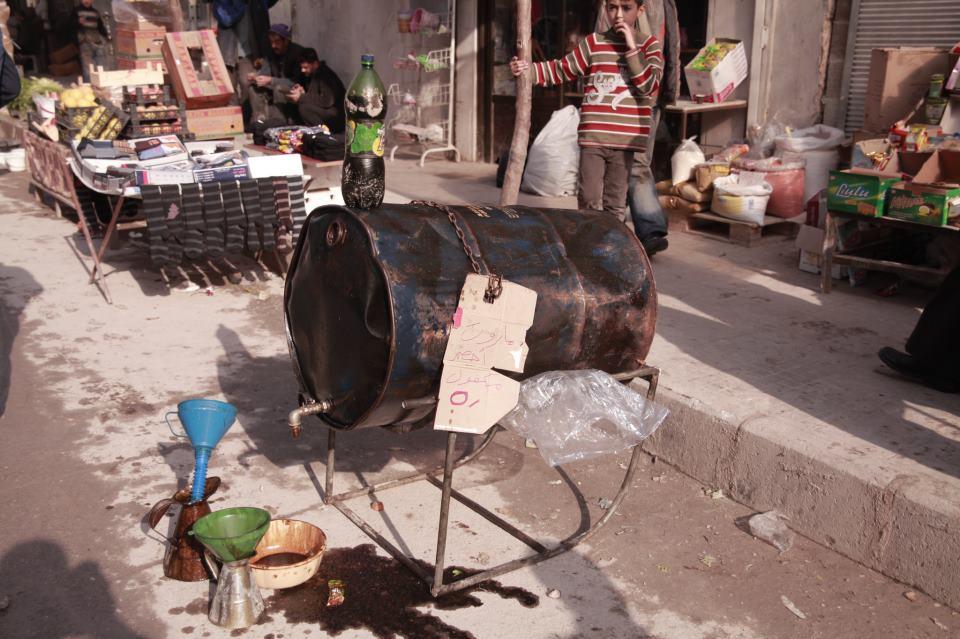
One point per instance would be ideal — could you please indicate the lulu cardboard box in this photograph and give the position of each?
(208, 87)
(861, 191)
(933, 197)
(717, 70)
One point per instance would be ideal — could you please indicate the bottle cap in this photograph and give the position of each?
(367, 58)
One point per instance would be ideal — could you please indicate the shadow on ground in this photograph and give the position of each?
(17, 288)
(50, 598)
(847, 393)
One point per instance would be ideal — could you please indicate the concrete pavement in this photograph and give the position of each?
(86, 453)
(779, 398)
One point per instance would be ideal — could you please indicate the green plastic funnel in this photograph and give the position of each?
(232, 534)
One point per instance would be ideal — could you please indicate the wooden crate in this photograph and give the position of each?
(210, 124)
(147, 43)
(743, 233)
(125, 63)
(197, 93)
(125, 77)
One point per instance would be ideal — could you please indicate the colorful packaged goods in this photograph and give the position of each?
(859, 191)
(933, 197)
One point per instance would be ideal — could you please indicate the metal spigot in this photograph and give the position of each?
(295, 418)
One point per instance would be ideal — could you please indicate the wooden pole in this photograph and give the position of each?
(521, 127)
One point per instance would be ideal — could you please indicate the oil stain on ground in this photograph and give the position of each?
(383, 597)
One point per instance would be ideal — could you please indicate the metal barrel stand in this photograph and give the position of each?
(435, 581)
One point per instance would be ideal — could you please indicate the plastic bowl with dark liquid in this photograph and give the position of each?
(289, 554)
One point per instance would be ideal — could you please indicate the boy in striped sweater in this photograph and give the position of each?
(623, 68)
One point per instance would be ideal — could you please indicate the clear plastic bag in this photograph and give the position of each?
(574, 415)
(685, 160)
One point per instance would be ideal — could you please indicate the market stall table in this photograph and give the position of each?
(831, 256)
(322, 175)
(686, 108)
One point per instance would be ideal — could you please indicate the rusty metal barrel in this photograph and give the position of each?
(370, 297)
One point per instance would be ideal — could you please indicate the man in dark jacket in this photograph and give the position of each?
(320, 101)
(268, 91)
(933, 350)
(243, 41)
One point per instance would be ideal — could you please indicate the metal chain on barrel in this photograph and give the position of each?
(494, 281)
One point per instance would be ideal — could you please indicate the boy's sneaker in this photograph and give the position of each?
(654, 245)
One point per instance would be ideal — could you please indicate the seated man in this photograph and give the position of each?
(933, 350)
(320, 100)
(268, 93)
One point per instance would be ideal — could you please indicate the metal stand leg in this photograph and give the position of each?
(331, 453)
(437, 587)
(444, 514)
(106, 238)
(97, 271)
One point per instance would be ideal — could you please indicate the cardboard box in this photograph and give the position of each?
(899, 77)
(210, 124)
(934, 195)
(860, 191)
(222, 173)
(140, 44)
(209, 89)
(66, 69)
(717, 84)
(65, 54)
(810, 242)
(145, 177)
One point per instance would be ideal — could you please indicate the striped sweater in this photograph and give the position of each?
(620, 92)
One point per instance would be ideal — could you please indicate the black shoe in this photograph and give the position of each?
(654, 245)
(912, 368)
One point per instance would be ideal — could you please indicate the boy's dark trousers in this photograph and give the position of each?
(604, 177)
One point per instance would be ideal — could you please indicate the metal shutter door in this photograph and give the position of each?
(892, 23)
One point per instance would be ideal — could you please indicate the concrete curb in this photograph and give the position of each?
(898, 529)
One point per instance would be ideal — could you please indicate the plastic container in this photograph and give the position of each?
(818, 146)
(787, 176)
(403, 20)
(17, 160)
(423, 20)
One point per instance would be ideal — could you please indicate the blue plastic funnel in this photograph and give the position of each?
(205, 422)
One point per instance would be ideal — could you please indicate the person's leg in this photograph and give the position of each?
(242, 71)
(86, 59)
(101, 58)
(590, 191)
(616, 180)
(933, 350)
(649, 220)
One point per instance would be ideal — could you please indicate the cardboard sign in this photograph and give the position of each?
(484, 336)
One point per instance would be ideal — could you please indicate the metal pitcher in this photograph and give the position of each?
(237, 603)
(183, 560)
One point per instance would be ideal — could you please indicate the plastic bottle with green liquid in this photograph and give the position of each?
(363, 167)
